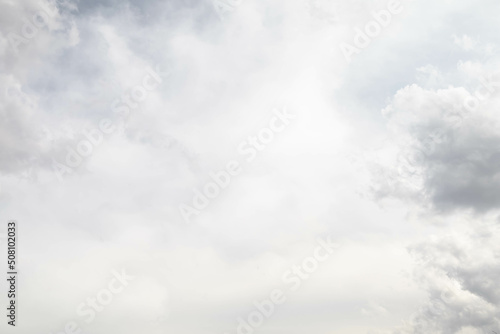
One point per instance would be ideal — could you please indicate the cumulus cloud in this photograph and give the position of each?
(448, 141)
(458, 271)
(440, 160)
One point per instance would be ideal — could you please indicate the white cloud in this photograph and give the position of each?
(430, 154)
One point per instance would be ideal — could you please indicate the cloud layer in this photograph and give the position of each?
(115, 114)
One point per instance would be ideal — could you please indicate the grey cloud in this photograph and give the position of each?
(459, 272)
(452, 151)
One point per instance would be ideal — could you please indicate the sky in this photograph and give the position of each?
(251, 166)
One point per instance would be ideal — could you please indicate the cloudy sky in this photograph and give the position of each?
(251, 166)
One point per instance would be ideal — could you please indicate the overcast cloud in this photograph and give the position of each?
(175, 165)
